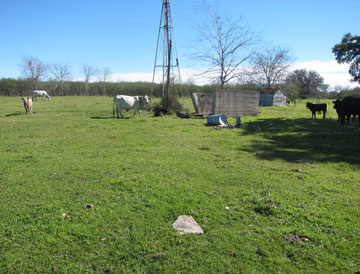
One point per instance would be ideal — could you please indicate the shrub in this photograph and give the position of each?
(174, 105)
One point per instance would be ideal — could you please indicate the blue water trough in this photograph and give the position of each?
(217, 120)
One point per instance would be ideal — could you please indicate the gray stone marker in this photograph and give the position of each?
(186, 224)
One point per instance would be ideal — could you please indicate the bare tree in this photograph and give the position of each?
(103, 78)
(33, 70)
(222, 45)
(271, 66)
(62, 73)
(88, 72)
(52, 84)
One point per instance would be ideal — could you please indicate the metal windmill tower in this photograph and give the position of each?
(165, 68)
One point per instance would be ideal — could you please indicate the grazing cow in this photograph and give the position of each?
(28, 105)
(129, 102)
(316, 108)
(349, 106)
(41, 93)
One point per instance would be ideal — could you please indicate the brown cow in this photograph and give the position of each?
(28, 105)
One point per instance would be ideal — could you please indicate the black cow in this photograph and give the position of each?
(337, 107)
(316, 108)
(349, 106)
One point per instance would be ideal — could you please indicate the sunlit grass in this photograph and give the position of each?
(279, 195)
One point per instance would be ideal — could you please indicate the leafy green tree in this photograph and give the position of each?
(348, 51)
(13, 87)
(292, 90)
(310, 82)
(8, 86)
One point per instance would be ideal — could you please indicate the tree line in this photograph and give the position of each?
(269, 72)
(301, 88)
(22, 87)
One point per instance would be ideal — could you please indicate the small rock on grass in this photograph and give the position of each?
(186, 224)
(66, 217)
(158, 255)
(299, 171)
(296, 238)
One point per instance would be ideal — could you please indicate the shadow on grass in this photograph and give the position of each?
(108, 117)
(304, 140)
(102, 118)
(13, 114)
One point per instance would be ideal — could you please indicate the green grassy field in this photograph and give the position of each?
(280, 195)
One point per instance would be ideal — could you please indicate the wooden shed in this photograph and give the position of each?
(273, 98)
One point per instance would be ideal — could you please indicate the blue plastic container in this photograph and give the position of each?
(217, 120)
(238, 121)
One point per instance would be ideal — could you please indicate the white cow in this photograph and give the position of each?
(41, 93)
(129, 102)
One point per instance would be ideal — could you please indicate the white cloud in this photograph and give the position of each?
(186, 76)
(132, 77)
(334, 74)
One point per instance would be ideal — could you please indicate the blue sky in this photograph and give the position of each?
(122, 34)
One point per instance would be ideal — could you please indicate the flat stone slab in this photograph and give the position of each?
(186, 224)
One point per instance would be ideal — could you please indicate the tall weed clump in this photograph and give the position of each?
(173, 107)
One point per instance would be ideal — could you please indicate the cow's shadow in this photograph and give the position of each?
(13, 114)
(19, 113)
(101, 118)
(308, 140)
(108, 117)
